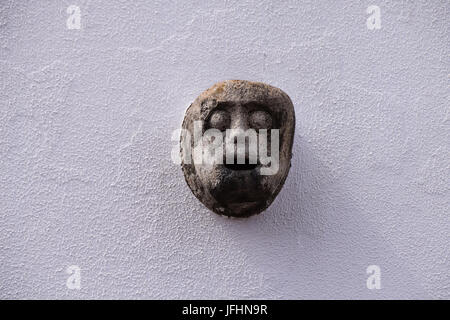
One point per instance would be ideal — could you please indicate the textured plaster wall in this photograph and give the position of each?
(86, 178)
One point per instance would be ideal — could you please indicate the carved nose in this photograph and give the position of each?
(239, 125)
(241, 146)
(238, 141)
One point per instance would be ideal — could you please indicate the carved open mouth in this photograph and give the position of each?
(239, 167)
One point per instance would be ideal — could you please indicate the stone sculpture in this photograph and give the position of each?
(236, 146)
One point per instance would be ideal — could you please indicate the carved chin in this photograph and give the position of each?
(239, 192)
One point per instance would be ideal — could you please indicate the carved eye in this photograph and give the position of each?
(220, 120)
(260, 120)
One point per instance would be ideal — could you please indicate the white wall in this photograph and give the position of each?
(86, 179)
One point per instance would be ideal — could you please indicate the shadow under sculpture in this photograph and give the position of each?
(236, 146)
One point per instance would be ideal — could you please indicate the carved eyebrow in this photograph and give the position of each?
(218, 105)
(257, 105)
(223, 104)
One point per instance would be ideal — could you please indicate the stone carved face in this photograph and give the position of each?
(246, 181)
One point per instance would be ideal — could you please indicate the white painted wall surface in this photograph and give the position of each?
(86, 178)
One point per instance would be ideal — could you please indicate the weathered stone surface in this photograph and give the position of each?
(238, 190)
